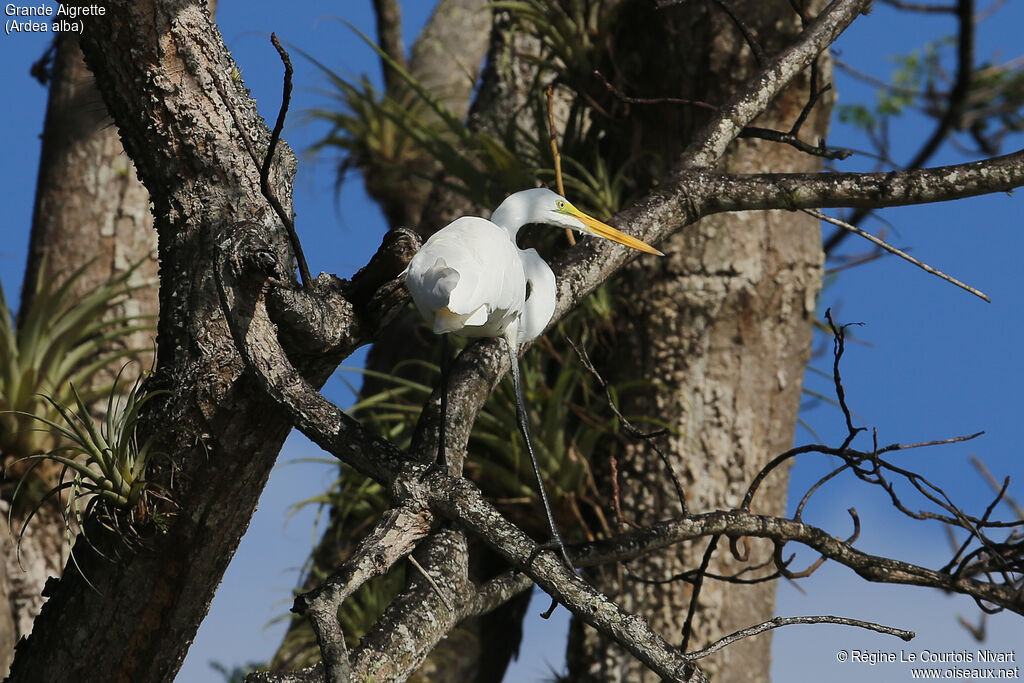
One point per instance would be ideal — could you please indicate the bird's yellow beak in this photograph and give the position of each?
(608, 232)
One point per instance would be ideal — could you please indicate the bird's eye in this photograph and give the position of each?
(560, 204)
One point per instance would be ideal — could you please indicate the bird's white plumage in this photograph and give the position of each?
(471, 279)
(468, 279)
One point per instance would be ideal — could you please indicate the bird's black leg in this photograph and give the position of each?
(524, 429)
(445, 365)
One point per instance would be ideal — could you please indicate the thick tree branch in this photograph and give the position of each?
(462, 501)
(711, 142)
(243, 270)
(951, 117)
(394, 537)
(689, 195)
(419, 617)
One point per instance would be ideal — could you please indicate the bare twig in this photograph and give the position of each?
(748, 34)
(893, 250)
(979, 465)
(555, 156)
(792, 137)
(630, 428)
(265, 186)
(835, 153)
(651, 100)
(698, 583)
(433, 584)
(838, 347)
(789, 621)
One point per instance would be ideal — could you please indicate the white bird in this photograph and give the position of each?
(470, 279)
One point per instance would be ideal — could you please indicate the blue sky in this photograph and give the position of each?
(932, 361)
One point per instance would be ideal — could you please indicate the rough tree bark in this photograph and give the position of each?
(242, 350)
(170, 132)
(90, 208)
(721, 329)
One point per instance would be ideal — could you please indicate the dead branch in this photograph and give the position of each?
(265, 187)
(778, 622)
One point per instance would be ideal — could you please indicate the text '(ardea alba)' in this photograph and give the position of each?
(470, 279)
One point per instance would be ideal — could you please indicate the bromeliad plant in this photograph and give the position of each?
(61, 340)
(102, 466)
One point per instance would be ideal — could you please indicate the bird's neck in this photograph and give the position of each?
(510, 219)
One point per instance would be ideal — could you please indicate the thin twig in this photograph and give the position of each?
(550, 92)
(835, 154)
(789, 621)
(616, 493)
(630, 428)
(979, 465)
(651, 100)
(812, 98)
(838, 347)
(698, 582)
(748, 35)
(265, 186)
(893, 250)
(437, 589)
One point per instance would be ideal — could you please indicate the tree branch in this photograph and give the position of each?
(458, 499)
(711, 142)
(420, 616)
(687, 196)
(734, 524)
(394, 537)
(389, 38)
(955, 103)
(778, 622)
(902, 254)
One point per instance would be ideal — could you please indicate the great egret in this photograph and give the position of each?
(470, 279)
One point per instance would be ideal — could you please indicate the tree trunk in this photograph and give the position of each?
(721, 329)
(90, 208)
(221, 460)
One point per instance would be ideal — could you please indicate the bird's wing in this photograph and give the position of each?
(540, 302)
(468, 279)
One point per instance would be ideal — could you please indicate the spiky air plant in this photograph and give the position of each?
(102, 464)
(61, 340)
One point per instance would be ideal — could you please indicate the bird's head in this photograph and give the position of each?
(541, 205)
